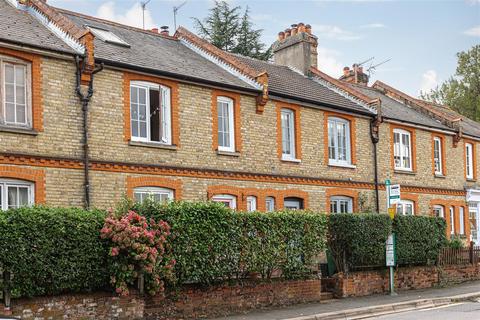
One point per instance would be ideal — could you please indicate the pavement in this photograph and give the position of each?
(370, 306)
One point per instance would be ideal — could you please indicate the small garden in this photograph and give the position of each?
(51, 251)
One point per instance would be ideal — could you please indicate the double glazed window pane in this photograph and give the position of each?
(338, 140)
(17, 196)
(436, 156)
(224, 129)
(15, 94)
(402, 150)
(138, 110)
(288, 133)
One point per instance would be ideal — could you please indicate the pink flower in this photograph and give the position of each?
(114, 252)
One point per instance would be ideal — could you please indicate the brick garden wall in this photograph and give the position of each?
(364, 283)
(191, 302)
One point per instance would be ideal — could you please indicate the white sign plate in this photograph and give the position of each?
(390, 251)
(394, 193)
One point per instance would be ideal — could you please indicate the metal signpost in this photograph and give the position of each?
(393, 197)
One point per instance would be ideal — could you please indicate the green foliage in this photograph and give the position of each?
(419, 239)
(225, 29)
(212, 243)
(53, 250)
(462, 91)
(455, 242)
(356, 240)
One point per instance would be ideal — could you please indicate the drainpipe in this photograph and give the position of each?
(374, 135)
(85, 100)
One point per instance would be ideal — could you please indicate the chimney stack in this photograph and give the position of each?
(164, 30)
(296, 47)
(154, 30)
(355, 75)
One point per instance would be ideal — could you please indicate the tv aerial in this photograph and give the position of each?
(143, 4)
(175, 11)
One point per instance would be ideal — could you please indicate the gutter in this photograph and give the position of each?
(85, 100)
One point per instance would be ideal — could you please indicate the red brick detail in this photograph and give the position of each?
(342, 192)
(413, 138)
(236, 118)
(149, 181)
(36, 85)
(128, 77)
(229, 190)
(298, 128)
(32, 175)
(353, 134)
(292, 193)
(446, 204)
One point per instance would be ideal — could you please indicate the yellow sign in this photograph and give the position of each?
(391, 213)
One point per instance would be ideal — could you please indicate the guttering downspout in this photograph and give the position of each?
(85, 100)
(374, 135)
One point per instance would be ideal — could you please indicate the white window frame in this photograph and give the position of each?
(227, 199)
(149, 191)
(437, 155)
(334, 150)
(166, 109)
(400, 152)
(439, 211)
(251, 203)
(461, 220)
(269, 204)
(469, 169)
(295, 204)
(6, 60)
(452, 220)
(287, 116)
(338, 201)
(231, 124)
(107, 36)
(6, 183)
(402, 207)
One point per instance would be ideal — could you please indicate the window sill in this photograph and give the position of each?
(291, 160)
(400, 171)
(471, 180)
(19, 130)
(228, 153)
(441, 176)
(152, 145)
(342, 165)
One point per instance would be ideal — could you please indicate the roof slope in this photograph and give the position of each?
(18, 26)
(283, 81)
(155, 52)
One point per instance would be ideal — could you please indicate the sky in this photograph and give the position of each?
(420, 37)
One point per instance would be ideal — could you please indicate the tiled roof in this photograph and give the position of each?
(18, 26)
(155, 52)
(285, 82)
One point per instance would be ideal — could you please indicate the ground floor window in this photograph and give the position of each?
(154, 193)
(341, 204)
(228, 200)
(452, 220)
(293, 203)
(439, 211)
(472, 213)
(15, 194)
(270, 204)
(406, 208)
(251, 203)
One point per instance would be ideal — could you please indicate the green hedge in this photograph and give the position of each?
(358, 240)
(53, 250)
(419, 239)
(211, 242)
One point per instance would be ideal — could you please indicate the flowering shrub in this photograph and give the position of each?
(137, 247)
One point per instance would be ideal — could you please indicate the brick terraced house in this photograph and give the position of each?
(92, 110)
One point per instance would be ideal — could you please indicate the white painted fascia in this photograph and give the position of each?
(227, 67)
(50, 25)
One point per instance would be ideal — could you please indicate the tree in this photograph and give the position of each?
(462, 91)
(225, 29)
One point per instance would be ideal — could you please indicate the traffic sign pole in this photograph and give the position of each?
(390, 254)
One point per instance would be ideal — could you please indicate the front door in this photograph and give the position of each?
(474, 215)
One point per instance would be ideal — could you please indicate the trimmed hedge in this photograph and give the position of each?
(53, 250)
(212, 243)
(358, 240)
(419, 239)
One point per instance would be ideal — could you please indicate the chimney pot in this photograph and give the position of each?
(164, 30)
(287, 33)
(301, 27)
(281, 36)
(294, 30)
(346, 71)
(154, 30)
(308, 29)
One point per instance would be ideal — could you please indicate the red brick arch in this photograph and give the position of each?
(149, 181)
(37, 177)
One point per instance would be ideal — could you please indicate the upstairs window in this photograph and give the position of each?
(406, 208)
(269, 204)
(150, 112)
(15, 93)
(228, 200)
(226, 124)
(341, 204)
(15, 194)
(339, 145)
(288, 134)
(153, 193)
(437, 155)
(469, 168)
(402, 149)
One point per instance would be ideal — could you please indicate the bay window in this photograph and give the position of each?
(402, 149)
(150, 112)
(226, 124)
(154, 193)
(341, 204)
(288, 134)
(15, 194)
(339, 144)
(15, 93)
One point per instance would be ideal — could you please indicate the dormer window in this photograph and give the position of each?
(107, 36)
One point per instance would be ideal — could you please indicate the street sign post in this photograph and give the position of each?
(393, 197)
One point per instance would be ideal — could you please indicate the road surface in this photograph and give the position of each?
(460, 311)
